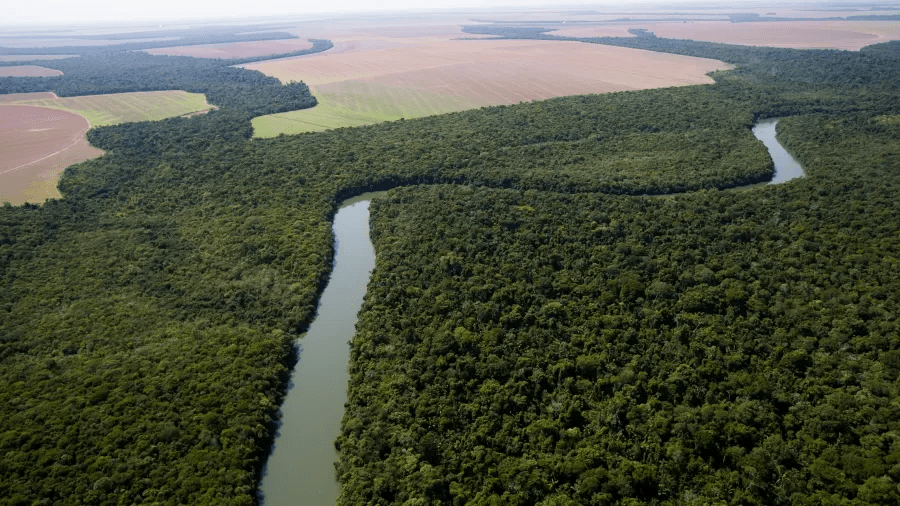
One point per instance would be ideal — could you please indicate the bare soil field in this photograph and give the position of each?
(850, 35)
(350, 35)
(36, 145)
(14, 98)
(418, 79)
(28, 71)
(236, 49)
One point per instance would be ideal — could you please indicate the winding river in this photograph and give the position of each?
(300, 469)
(786, 166)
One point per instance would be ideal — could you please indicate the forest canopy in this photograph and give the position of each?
(705, 348)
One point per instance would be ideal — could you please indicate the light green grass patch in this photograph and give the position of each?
(102, 110)
(357, 103)
(893, 119)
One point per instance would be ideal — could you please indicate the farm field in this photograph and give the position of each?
(236, 49)
(36, 145)
(102, 110)
(42, 134)
(849, 35)
(28, 71)
(419, 79)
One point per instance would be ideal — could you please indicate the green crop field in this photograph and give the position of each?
(113, 109)
(356, 103)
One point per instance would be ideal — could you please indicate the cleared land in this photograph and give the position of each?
(36, 145)
(28, 71)
(850, 35)
(14, 98)
(419, 79)
(236, 49)
(117, 108)
(42, 134)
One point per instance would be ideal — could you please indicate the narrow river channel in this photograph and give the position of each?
(786, 166)
(300, 470)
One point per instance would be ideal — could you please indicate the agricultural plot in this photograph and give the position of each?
(373, 85)
(102, 110)
(42, 134)
(236, 49)
(28, 71)
(849, 35)
(36, 145)
(23, 98)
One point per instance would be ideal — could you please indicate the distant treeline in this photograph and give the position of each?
(169, 38)
(545, 333)
(318, 45)
(741, 17)
(755, 18)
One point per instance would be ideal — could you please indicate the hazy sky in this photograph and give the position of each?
(49, 11)
(52, 12)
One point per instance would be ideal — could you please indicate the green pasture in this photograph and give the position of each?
(357, 103)
(114, 109)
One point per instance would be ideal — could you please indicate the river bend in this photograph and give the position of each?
(300, 469)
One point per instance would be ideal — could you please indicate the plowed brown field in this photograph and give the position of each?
(851, 35)
(36, 144)
(236, 49)
(13, 98)
(417, 79)
(28, 71)
(350, 35)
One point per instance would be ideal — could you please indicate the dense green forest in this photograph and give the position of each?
(537, 329)
(732, 348)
